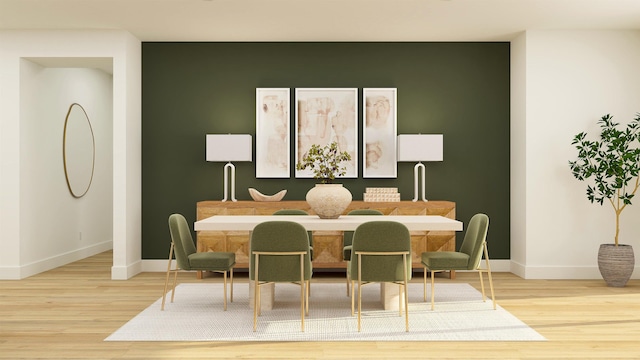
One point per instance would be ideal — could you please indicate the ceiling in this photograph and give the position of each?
(320, 20)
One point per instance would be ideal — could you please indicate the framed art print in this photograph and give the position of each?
(379, 133)
(272, 133)
(324, 116)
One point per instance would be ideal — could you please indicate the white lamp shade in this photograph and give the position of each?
(229, 147)
(428, 147)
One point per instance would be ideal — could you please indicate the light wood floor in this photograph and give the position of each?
(66, 313)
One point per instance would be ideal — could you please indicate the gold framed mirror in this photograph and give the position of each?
(78, 151)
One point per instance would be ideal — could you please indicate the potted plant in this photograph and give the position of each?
(328, 200)
(612, 165)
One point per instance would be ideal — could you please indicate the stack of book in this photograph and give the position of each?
(381, 194)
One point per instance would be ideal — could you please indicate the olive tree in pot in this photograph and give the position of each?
(611, 164)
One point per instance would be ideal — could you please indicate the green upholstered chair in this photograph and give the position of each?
(468, 258)
(279, 252)
(348, 236)
(298, 212)
(381, 253)
(189, 260)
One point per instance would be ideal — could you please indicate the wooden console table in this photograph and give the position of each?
(327, 245)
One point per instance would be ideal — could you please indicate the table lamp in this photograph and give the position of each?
(419, 147)
(228, 148)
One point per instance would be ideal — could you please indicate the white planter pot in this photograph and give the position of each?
(329, 201)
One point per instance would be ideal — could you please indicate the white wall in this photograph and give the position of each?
(562, 83)
(570, 79)
(17, 201)
(68, 228)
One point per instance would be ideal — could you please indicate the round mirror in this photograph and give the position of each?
(78, 151)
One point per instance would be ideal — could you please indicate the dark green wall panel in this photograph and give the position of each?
(460, 90)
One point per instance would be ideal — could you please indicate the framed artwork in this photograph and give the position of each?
(379, 133)
(273, 123)
(324, 116)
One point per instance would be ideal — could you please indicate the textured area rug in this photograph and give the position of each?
(197, 315)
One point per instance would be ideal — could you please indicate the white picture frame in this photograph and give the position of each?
(379, 134)
(324, 115)
(273, 125)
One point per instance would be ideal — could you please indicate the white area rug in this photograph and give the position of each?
(197, 315)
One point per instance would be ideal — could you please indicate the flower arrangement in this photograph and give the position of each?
(324, 162)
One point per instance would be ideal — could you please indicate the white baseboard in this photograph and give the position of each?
(127, 272)
(36, 267)
(562, 272)
(156, 265)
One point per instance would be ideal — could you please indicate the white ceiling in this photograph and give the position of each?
(320, 20)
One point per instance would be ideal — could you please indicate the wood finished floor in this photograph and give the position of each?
(66, 313)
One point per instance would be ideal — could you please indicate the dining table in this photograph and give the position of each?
(390, 294)
(315, 223)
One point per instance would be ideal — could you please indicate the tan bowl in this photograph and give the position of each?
(258, 196)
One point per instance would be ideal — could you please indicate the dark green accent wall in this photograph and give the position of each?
(460, 90)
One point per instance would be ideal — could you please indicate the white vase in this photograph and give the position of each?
(329, 201)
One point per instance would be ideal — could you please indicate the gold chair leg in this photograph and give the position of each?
(433, 290)
(353, 287)
(400, 290)
(224, 291)
(231, 285)
(166, 282)
(302, 292)
(359, 302)
(493, 296)
(348, 292)
(406, 306)
(308, 284)
(175, 283)
(256, 295)
(424, 283)
(406, 294)
(486, 257)
(359, 289)
(484, 297)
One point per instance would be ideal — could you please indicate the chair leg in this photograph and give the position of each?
(256, 295)
(406, 293)
(484, 297)
(424, 283)
(307, 298)
(224, 291)
(400, 295)
(175, 282)
(353, 289)
(348, 292)
(406, 305)
(231, 271)
(359, 289)
(493, 296)
(486, 258)
(302, 292)
(433, 289)
(166, 282)
(359, 302)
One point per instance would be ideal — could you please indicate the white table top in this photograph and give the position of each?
(313, 222)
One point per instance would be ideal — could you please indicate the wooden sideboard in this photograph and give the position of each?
(327, 245)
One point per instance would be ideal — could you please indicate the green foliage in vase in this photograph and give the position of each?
(324, 162)
(611, 164)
